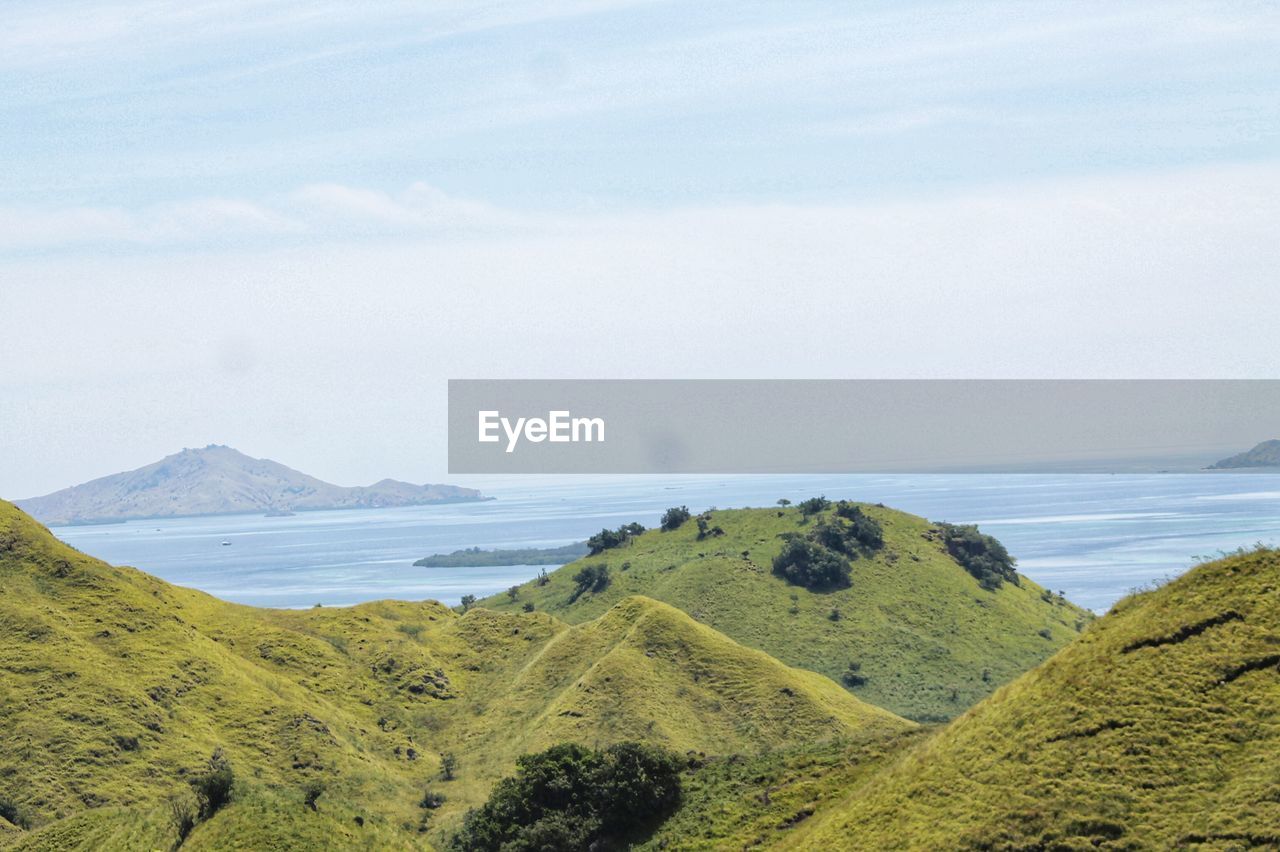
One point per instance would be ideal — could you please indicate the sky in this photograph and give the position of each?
(283, 226)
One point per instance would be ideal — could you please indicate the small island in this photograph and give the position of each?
(1266, 454)
(474, 557)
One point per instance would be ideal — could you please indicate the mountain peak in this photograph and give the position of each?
(216, 480)
(1265, 454)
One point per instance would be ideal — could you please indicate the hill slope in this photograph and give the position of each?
(117, 688)
(218, 480)
(927, 638)
(1266, 454)
(1158, 729)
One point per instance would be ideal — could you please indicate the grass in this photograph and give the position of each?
(117, 688)
(1157, 729)
(928, 640)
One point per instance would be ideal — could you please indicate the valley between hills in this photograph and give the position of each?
(827, 675)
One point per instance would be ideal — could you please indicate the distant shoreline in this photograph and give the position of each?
(108, 521)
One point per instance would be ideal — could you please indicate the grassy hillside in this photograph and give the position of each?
(118, 688)
(1158, 729)
(927, 639)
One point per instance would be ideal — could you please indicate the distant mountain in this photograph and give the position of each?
(1266, 454)
(218, 480)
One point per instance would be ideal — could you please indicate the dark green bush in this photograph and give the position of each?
(813, 506)
(592, 578)
(574, 799)
(608, 539)
(806, 563)
(981, 555)
(863, 530)
(213, 786)
(673, 518)
(9, 810)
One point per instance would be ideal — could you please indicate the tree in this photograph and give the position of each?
(981, 555)
(448, 766)
(574, 799)
(863, 530)
(607, 539)
(468, 601)
(806, 563)
(592, 578)
(673, 518)
(813, 506)
(784, 502)
(513, 592)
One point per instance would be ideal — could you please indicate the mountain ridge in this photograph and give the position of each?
(219, 480)
(1264, 454)
(117, 687)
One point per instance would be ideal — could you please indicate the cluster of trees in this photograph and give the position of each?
(674, 518)
(607, 539)
(820, 560)
(592, 578)
(805, 562)
(573, 798)
(981, 555)
(705, 530)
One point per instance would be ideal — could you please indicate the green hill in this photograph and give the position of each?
(119, 688)
(1158, 729)
(926, 639)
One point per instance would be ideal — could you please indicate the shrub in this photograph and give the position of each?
(543, 577)
(213, 786)
(431, 800)
(448, 766)
(813, 506)
(811, 565)
(9, 810)
(575, 799)
(311, 792)
(864, 530)
(592, 578)
(981, 555)
(673, 518)
(528, 606)
(608, 539)
(513, 592)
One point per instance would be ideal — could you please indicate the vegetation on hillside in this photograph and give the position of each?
(133, 711)
(1157, 729)
(981, 555)
(574, 799)
(826, 585)
(475, 557)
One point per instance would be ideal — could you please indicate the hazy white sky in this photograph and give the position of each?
(283, 226)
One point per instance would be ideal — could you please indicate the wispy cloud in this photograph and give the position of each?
(312, 212)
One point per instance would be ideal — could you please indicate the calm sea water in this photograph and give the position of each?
(1095, 537)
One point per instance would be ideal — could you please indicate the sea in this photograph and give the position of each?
(1094, 537)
